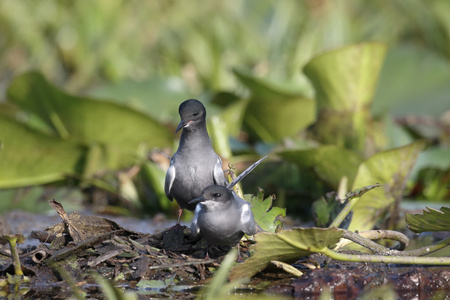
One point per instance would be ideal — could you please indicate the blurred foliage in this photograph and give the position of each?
(75, 136)
(330, 162)
(274, 111)
(80, 44)
(344, 81)
(328, 88)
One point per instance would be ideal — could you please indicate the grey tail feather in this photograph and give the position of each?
(160, 152)
(245, 173)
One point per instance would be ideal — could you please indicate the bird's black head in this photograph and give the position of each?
(216, 193)
(191, 112)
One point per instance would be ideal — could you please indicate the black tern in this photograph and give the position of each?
(222, 217)
(195, 165)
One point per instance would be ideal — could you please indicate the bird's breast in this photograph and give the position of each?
(220, 227)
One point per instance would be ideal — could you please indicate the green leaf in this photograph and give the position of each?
(275, 111)
(406, 64)
(218, 132)
(345, 81)
(156, 97)
(233, 116)
(265, 214)
(324, 209)
(390, 169)
(29, 157)
(330, 162)
(430, 220)
(30, 198)
(153, 176)
(433, 157)
(121, 129)
(286, 246)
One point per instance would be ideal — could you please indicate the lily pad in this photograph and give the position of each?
(286, 246)
(265, 214)
(431, 220)
(29, 157)
(86, 121)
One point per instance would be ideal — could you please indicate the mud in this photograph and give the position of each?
(349, 280)
(171, 264)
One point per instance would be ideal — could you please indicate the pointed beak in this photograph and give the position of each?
(197, 200)
(182, 125)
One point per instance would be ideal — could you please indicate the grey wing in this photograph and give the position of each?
(219, 177)
(170, 178)
(194, 225)
(247, 219)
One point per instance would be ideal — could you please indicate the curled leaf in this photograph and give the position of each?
(431, 220)
(287, 268)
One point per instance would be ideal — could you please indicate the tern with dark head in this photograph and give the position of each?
(222, 217)
(195, 165)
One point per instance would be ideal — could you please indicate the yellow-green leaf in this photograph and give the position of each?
(286, 246)
(29, 157)
(329, 162)
(430, 220)
(275, 111)
(389, 168)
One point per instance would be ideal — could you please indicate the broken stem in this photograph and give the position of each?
(352, 198)
(344, 212)
(364, 239)
(13, 240)
(387, 259)
(388, 234)
(428, 249)
(15, 256)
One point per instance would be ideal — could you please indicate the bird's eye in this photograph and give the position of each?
(217, 195)
(196, 113)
